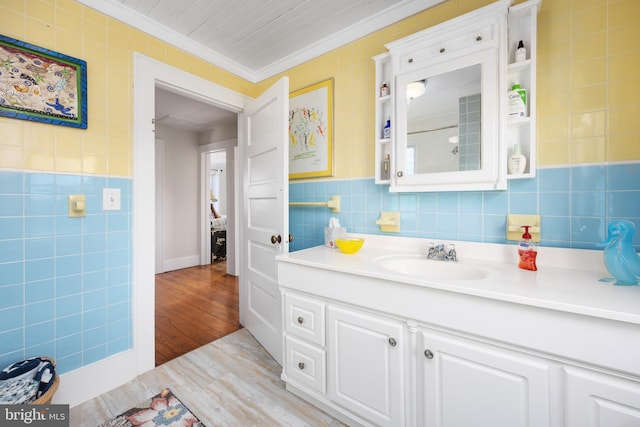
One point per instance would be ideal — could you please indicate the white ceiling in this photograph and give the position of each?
(256, 39)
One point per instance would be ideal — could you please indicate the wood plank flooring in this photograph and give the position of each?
(194, 306)
(230, 382)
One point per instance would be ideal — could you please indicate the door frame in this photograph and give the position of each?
(149, 74)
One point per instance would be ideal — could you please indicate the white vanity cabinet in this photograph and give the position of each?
(365, 353)
(466, 382)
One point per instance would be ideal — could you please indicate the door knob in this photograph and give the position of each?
(290, 238)
(276, 239)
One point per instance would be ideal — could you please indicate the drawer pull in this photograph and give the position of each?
(301, 320)
(442, 49)
(428, 354)
(393, 342)
(301, 365)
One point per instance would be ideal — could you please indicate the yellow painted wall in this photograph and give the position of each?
(105, 147)
(588, 84)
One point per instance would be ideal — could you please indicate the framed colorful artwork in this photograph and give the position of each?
(311, 131)
(41, 85)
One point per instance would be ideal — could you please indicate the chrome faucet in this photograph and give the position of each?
(441, 252)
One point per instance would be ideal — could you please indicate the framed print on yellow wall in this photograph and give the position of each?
(311, 131)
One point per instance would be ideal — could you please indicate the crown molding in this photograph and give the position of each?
(391, 15)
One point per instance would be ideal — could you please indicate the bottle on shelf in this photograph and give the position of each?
(521, 52)
(517, 161)
(384, 89)
(517, 98)
(386, 130)
(385, 171)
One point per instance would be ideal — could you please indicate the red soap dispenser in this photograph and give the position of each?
(527, 251)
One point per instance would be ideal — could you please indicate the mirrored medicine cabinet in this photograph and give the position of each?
(447, 104)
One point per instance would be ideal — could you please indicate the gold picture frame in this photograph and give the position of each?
(311, 131)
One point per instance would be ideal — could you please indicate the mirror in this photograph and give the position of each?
(443, 123)
(447, 138)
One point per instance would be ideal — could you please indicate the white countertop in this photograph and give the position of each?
(566, 280)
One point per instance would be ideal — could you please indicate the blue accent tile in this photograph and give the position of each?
(40, 247)
(95, 337)
(624, 204)
(69, 325)
(66, 225)
(11, 296)
(118, 222)
(68, 363)
(96, 261)
(495, 225)
(495, 202)
(11, 205)
(68, 245)
(556, 229)
(11, 318)
(68, 345)
(624, 177)
(11, 274)
(41, 290)
(523, 186)
(118, 311)
(11, 341)
(471, 202)
(11, 228)
(39, 183)
(38, 205)
(118, 329)
(68, 184)
(448, 223)
(93, 185)
(523, 203)
(68, 265)
(11, 183)
(68, 285)
(39, 312)
(554, 179)
(94, 318)
(119, 345)
(39, 333)
(555, 204)
(591, 203)
(427, 223)
(118, 259)
(470, 225)
(39, 269)
(408, 202)
(587, 230)
(68, 305)
(11, 250)
(38, 226)
(94, 299)
(94, 354)
(588, 178)
(448, 202)
(427, 202)
(96, 242)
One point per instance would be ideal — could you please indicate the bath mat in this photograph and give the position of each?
(163, 409)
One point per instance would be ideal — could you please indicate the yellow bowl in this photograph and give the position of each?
(350, 245)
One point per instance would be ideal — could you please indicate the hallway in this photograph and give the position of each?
(194, 306)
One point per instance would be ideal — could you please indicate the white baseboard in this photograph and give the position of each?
(87, 382)
(178, 263)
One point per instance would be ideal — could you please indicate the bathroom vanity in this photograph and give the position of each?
(387, 337)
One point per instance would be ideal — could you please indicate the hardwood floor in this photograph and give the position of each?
(194, 306)
(230, 382)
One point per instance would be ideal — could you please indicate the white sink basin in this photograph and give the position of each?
(418, 265)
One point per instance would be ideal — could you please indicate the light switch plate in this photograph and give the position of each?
(111, 199)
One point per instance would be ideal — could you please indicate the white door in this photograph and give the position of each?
(364, 365)
(264, 231)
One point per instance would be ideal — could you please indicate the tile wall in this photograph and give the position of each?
(65, 282)
(575, 204)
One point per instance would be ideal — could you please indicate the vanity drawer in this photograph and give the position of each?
(304, 318)
(441, 49)
(305, 364)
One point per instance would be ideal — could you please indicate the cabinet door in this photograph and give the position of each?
(594, 399)
(470, 383)
(365, 372)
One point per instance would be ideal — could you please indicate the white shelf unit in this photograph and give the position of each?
(522, 25)
(383, 111)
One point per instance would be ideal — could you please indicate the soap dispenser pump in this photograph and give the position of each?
(527, 251)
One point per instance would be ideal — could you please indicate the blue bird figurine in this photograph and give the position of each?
(620, 258)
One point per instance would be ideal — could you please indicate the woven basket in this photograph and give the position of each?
(46, 398)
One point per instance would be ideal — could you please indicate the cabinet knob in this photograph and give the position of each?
(478, 38)
(410, 60)
(428, 354)
(442, 49)
(399, 174)
(393, 342)
(301, 365)
(301, 320)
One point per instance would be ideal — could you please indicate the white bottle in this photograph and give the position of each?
(517, 161)
(521, 52)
